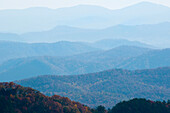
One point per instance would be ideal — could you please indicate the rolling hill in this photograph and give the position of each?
(148, 60)
(21, 68)
(106, 88)
(11, 50)
(125, 57)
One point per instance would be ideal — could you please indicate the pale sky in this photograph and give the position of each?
(111, 4)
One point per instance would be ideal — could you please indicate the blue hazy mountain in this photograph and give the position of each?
(84, 63)
(153, 34)
(156, 34)
(150, 59)
(84, 16)
(10, 37)
(10, 50)
(112, 43)
(121, 57)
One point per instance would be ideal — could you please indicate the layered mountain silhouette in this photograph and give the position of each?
(11, 50)
(126, 57)
(154, 34)
(84, 16)
(21, 68)
(107, 44)
(88, 54)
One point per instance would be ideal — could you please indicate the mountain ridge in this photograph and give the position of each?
(149, 34)
(94, 17)
(76, 64)
(124, 57)
(106, 87)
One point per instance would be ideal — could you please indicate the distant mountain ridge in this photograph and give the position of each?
(83, 16)
(125, 57)
(112, 43)
(152, 34)
(11, 50)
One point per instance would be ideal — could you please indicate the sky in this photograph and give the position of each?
(111, 4)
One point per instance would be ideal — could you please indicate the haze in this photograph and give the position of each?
(111, 4)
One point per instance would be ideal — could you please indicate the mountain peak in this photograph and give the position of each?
(148, 4)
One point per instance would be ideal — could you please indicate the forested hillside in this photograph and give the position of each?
(106, 88)
(17, 99)
(141, 106)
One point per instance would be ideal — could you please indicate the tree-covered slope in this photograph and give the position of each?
(151, 59)
(17, 99)
(141, 106)
(106, 88)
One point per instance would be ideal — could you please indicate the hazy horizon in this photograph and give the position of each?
(53, 4)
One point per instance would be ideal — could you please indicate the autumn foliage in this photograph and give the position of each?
(17, 99)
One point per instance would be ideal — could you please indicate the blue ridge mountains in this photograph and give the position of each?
(88, 53)
(126, 57)
(146, 22)
(154, 34)
(11, 50)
